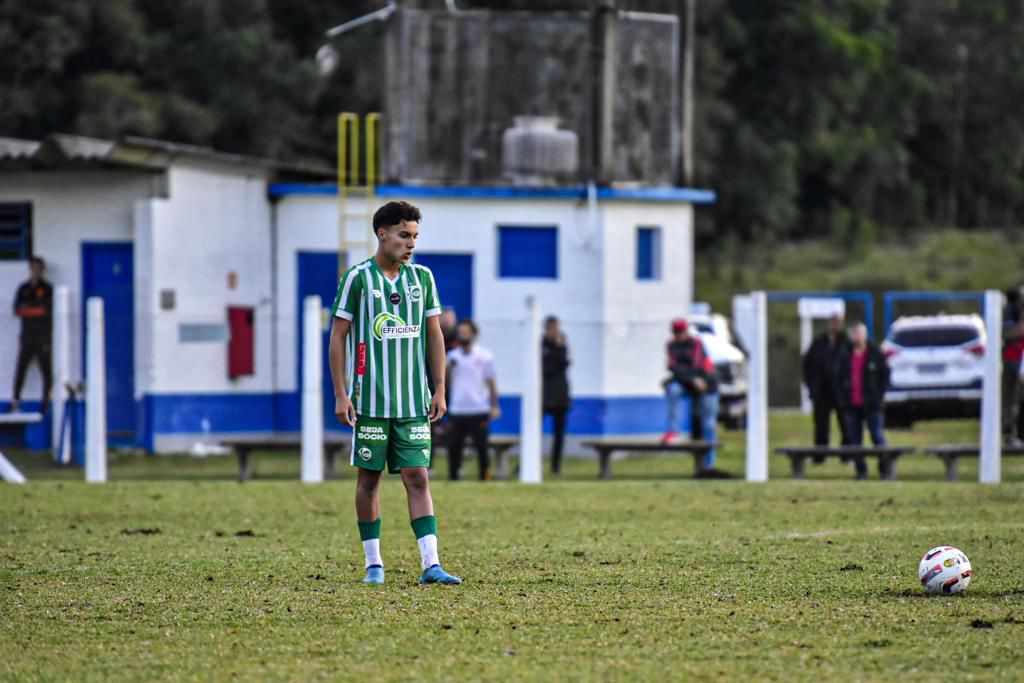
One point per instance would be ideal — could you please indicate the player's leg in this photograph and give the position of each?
(456, 439)
(558, 417)
(409, 454)
(24, 358)
(673, 397)
(709, 423)
(369, 455)
(480, 433)
(44, 356)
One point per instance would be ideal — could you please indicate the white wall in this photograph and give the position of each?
(637, 312)
(68, 208)
(617, 326)
(216, 221)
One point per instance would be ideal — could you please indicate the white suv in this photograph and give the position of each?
(936, 365)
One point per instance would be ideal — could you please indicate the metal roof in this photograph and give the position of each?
(60, 151)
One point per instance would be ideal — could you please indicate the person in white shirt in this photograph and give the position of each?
(472, 400)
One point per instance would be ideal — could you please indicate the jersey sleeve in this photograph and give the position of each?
(346, 302)
(430, 297)
(489, 367)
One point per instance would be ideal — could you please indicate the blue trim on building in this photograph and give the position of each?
(576, 192)
(170, 414)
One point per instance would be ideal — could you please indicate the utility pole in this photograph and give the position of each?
(688, 18)
(601, 94)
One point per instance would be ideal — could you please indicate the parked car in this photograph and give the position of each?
(730, 360)
(936, 366)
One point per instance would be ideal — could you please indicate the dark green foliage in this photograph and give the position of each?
(845, 119)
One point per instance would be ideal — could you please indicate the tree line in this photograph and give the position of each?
(845, 119)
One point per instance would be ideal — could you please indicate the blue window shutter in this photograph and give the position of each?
(528, 252)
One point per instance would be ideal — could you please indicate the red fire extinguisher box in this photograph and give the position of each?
(241, 343)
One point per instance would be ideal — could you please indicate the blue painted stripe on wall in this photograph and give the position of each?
(165, 414)
(643, 194)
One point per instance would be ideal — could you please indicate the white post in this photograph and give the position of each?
(312, 392)
(530, 471)
(991, 393)
(757, 393)
(61, 371)
(10, 473)
(96, 394)
(806, 334)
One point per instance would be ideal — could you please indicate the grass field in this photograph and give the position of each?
(184, 575)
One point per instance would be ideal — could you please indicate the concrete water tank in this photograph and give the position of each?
(535, 151)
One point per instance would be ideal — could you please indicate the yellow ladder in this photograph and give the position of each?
(349, 187)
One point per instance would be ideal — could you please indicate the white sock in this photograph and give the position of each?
(372, 550)
(428, 550)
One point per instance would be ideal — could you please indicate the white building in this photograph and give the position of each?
(195, 252)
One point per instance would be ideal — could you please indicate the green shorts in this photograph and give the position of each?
(397, 442)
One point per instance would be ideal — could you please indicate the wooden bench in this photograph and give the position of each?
(501, 445)
(950, 452)
(605, 447)
(243, 446)
(15, 422)
(887, 456)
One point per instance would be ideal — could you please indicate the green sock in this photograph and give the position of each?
(369, 530)
(421, 526)
(425, 529)
(369, 533)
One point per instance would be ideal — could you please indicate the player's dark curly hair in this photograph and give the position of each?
(394, 213)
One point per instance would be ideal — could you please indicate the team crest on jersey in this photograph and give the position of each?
(390, 326)
(415, 293)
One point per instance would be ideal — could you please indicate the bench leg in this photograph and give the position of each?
(500, 463)
(951, 471)
(887, 467)
(698, 462)
(331, 463)
(606, 468)
(244, 467)
(797, 463)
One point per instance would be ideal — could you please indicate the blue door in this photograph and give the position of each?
(453, 274)
(318, 274)
(107, 272)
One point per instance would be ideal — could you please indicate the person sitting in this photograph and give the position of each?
(862, 376)
(692, 375)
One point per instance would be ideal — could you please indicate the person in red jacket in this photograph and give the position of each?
(33, 303)
(692, 374)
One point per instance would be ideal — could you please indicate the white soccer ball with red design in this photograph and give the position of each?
(945, 570)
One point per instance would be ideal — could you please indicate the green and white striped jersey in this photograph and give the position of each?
(387, 346)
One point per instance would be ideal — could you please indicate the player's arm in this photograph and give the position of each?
(492, 388)
(343, 408)
(436, 357)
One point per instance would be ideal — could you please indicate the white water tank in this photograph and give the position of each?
(535, 151)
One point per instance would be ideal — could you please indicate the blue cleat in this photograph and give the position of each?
(374, 575)
(434, 574)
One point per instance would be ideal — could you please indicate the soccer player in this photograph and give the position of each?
(386, 323)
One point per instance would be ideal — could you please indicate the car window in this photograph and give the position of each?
(945, 335)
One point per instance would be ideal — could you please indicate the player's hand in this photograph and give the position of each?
(344, 411)
(495, 412)
(700, 385)
(438, 407)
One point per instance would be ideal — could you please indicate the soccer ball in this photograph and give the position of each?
(945, 570)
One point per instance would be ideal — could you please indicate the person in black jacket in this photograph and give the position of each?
(33, 303)
(819, 375)
(556, 401)
(862, 376)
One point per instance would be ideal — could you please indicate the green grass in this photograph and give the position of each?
(648, 577)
